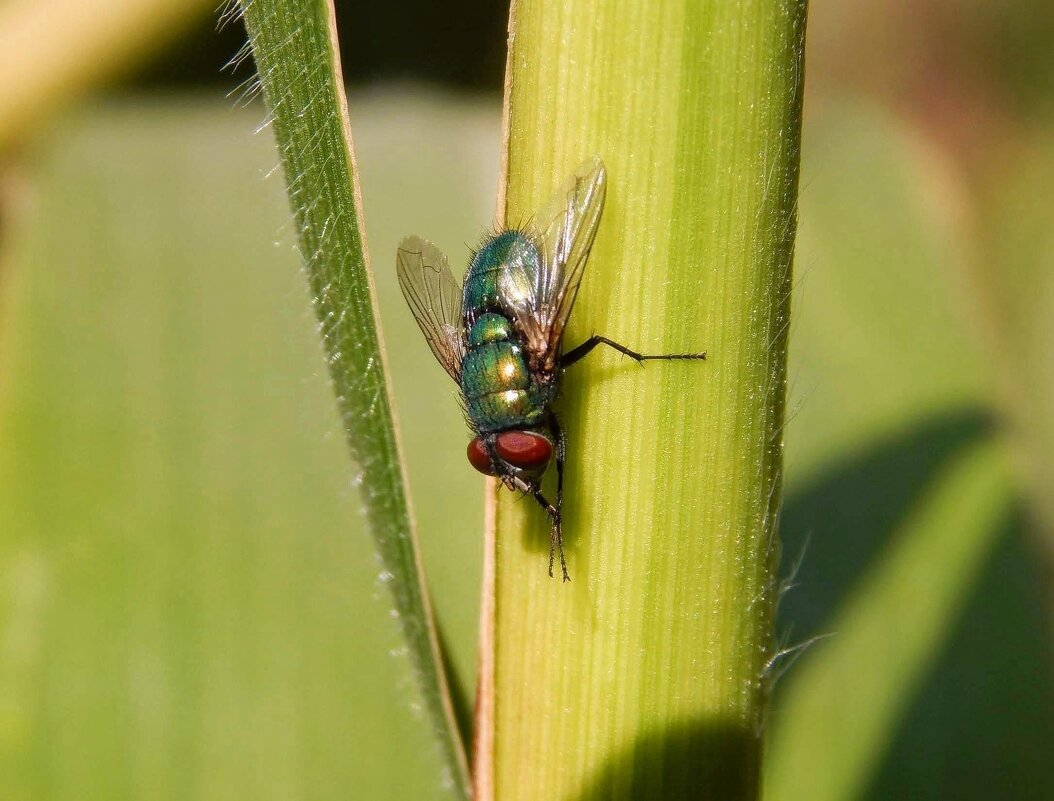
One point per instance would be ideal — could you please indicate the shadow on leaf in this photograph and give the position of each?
(705, 761)
(837, 525)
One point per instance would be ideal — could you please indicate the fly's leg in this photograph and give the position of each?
(561, 454)
(556, 539)
(580, 352)
(556, 536)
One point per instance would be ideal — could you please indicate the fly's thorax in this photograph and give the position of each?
(503, 261)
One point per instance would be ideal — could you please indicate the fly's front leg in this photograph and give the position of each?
(561, 454)
(556, 534)
(578, 353)
(510, 481)
(556, 538)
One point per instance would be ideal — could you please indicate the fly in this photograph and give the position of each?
(500, 335)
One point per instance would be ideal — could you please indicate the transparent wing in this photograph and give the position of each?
(434, 298)
(547, 284)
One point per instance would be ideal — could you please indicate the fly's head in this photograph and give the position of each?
(517, 457)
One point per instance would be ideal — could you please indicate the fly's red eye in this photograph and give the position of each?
(479, 458)
(524, 449)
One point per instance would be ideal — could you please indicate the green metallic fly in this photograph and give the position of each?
(499, 336)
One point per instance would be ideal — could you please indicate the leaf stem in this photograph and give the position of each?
(644, 676)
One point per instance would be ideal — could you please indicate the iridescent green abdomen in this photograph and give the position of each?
(499, 390)
(497, 387)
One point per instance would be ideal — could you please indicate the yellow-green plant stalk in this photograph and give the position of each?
(645, 677)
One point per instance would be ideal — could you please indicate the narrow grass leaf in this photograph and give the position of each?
(294, 45)
(188, 595)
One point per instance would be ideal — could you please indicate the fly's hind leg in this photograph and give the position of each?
(580, 352)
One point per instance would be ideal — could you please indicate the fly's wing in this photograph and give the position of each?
(434, 298)
(564, 231)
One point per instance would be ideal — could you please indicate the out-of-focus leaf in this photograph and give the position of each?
(890, 386)
(188, 598)
(1015, 286)
(847, 698)
(881, 334)
(52, 50)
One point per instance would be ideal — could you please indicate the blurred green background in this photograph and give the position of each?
(190, 606)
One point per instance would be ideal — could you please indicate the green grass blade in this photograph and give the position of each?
(643, 677)
(840, 708)
(294, 44)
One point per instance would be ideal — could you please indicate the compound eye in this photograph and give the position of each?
(525, 450)
(479, 458)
